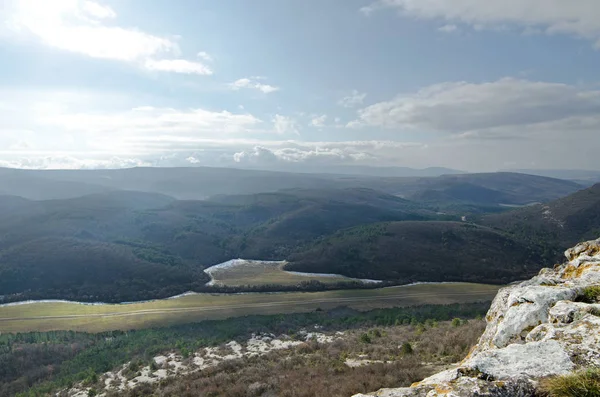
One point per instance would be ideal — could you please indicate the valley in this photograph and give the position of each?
(279, 198)
(332, 255)
(114, 245)
(51, 316)
(134, 362)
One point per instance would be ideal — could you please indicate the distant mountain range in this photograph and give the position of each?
(201, 183)
(142, 233)
(586, 177)
(370, 171)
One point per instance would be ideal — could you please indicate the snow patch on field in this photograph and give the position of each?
(232, 264)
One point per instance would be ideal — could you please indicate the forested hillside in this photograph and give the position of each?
(125, 245)
(555, 226)
(495, 248)
(421, 251)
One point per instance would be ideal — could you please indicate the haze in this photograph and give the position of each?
(300, 85)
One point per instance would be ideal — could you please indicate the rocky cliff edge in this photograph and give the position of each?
(542, 327)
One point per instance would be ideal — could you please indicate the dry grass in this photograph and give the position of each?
(591, 294)
(319, 370)
(580, 384)
(66, 316)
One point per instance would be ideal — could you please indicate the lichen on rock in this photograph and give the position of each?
(535, 329)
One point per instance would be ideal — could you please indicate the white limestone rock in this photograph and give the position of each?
(535, 329)
(533, 360)
(526, 308)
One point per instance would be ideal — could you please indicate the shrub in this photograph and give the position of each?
(579, 384)
(376, 333)
(591, 294)
(456, 322)
(153, 365)
(365, 338)
(406, 348)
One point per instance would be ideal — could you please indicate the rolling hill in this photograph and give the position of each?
(501, 188)
(556, 225)
(124, 245)
(202, 183)
(420, 251)
(496, 248)
(133, 245)
(68, 268)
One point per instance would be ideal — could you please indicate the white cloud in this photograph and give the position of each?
(354, 99)
(205, 56)
(574, 17)
(448, 28)
(354, 124)
(77, 26)
(504, 104)
(301, 154)
(319, 121)
(69, 162)
(48, 123)
(178, 66)
(258, 154)
(147, 119)
(479, 127)
(80, 26)
(187, 151)
(285, 125)
(253, 84)
(98, 10)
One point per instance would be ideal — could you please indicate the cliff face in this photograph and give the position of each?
(538, 328)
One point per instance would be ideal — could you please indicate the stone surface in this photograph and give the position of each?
(534, 360)
(535, 329)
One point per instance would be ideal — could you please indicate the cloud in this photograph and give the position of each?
(354, 124)
(574, 17)
(80, 26)
(354, 99)
(316, 154)
(148, 119)
(68, 162)
(476, 127)
(97, 10)
(54, 122)
(178, 66)
(319, 121)
(285, 125)
(448, 28)
(258, 154)
(501, 105)
(253, 84)
(205, 56)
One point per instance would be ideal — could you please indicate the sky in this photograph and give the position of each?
(304, 84)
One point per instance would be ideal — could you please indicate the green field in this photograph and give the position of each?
(192, 308)
(256, 273)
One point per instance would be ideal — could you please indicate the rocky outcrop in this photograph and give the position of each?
(538, 328)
